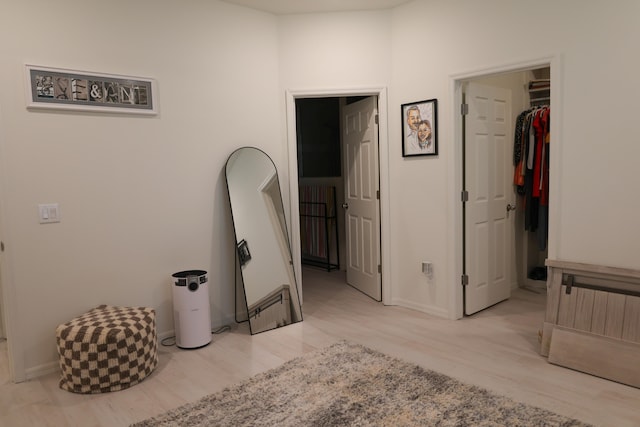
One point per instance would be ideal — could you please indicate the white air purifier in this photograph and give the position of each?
(191, 309)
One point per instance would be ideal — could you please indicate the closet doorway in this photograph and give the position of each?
(330, 168)
(497, 252)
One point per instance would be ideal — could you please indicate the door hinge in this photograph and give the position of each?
(380, 268)
(378, 194)
(464, 196)
(464, 279)
(377, 119)
(464, 109)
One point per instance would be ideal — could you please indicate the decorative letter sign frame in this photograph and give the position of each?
(81, 91)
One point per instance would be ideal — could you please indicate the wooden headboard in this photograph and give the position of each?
(592, 320)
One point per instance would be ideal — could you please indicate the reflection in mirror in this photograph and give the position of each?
(263, 249)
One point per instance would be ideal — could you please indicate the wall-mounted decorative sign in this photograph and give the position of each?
(77, 90)
(420, 128)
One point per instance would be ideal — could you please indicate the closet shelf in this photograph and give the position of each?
(543, 99)
(539, 92)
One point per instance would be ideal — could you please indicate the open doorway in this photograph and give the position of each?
(338, 188)
(497, 253)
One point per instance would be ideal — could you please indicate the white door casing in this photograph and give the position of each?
(362, 213)
(3, 333)
(487, 223)
(383, 142)
(455, 228)
(10, 325)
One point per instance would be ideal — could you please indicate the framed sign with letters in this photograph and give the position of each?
(82, 91)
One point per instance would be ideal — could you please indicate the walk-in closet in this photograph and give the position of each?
(530, 101)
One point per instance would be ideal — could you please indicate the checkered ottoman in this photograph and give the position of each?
(107, 349)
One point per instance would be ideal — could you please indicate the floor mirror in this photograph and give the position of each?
(262, 243)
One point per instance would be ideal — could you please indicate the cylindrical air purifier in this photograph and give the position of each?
(191, 309)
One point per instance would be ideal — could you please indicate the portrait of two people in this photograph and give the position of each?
(419, 132)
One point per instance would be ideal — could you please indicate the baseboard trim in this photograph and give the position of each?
(41, 370)
(429, 309)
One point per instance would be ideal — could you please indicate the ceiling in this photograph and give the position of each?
(284, 7)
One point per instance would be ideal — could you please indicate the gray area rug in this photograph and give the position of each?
(350, 385)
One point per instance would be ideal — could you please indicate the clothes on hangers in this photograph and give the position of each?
(531, 168)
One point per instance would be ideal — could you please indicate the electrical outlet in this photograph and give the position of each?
(427, 268)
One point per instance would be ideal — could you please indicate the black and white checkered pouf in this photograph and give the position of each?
(107, 349)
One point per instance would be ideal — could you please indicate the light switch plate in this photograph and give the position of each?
(49, 213)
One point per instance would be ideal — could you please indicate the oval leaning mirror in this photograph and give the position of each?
(262, 241)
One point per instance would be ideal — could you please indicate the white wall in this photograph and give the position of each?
(334, 50)
(431, 41)
(434, 40)
(140, 197)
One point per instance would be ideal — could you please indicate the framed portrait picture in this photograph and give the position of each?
(57, 88)
(420, 128)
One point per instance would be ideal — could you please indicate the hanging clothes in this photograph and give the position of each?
(543, 212)
(531, 169)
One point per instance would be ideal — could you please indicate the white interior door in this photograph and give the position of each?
(488, 225)
(3, 333)
(362, 205)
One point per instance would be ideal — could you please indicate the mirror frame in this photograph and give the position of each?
(243, 252)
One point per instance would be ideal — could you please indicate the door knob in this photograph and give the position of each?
(345, 205)
(511, 207)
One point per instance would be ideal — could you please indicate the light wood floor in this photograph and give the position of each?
(496, 349)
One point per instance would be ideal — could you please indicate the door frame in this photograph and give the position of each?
(7, 289)
(456, 166)
(383, 164)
